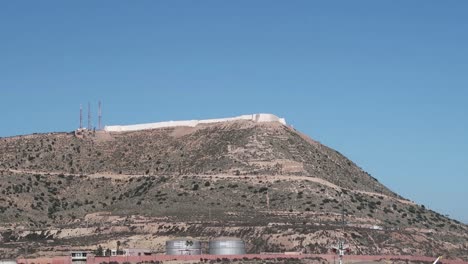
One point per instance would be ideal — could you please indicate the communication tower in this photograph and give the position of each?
(99, 116)
(81, 116)
(89, 116)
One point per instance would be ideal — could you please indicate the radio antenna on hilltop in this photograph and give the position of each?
(99, 115)
(81, 116)
(89, 116)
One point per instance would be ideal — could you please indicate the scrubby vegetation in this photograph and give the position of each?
(265, 183)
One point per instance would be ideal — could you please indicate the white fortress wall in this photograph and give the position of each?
(192, 123)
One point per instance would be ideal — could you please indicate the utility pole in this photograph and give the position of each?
(343, 223)
(268, 200)
(341, 247)
(26, 254)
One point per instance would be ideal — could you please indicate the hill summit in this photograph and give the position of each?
(252, 177)
(258, 144)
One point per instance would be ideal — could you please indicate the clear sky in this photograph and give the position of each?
(383, 82)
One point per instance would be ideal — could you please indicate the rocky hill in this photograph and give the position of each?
(265, 182)
(232, 148)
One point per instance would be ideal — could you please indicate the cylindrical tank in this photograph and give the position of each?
(227, 246)
(183, 246)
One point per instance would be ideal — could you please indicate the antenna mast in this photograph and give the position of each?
(89, 116)
(81, 116)
(99, 115)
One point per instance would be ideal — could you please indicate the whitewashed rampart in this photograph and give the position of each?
(192, 123)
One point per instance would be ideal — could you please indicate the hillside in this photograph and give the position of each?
(232, 148)
(264, 182)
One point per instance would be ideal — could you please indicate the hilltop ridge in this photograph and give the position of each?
(237, 147)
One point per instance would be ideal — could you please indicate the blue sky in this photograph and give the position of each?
(383, 82)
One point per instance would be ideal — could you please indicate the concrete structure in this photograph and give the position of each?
(137, 252)
(227, 246)
(79, 257)
(259, 118)
(7, 261)
(131, 252)
(183, 246)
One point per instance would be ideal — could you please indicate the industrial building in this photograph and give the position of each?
(131, 252)
(183, 246)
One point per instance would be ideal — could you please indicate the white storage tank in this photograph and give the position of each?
(227, 246)
(183, 246)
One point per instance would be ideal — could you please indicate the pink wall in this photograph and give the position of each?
(136, 259)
